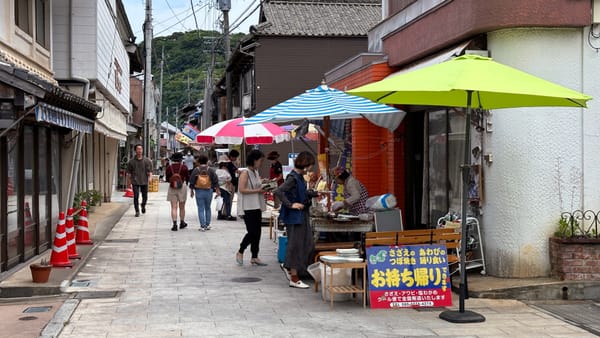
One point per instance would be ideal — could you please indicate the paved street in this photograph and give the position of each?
(147, 281)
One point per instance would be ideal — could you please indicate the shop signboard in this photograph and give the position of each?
(408, 276)
(190, 131)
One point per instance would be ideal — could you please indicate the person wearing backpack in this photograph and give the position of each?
(177, 175)
(203, 182)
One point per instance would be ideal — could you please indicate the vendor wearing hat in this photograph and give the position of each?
(355, 193)
(275, 173)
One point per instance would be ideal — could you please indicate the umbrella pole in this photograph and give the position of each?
(462, 315)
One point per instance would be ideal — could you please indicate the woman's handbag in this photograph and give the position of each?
(219, 203)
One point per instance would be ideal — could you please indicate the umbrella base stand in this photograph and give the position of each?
(462, 317)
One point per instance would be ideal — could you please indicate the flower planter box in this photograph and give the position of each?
(575, 258)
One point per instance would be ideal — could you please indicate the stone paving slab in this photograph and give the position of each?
(186, 284)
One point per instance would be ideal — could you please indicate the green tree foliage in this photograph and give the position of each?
(189, 58)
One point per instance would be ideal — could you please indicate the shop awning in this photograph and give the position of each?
(63, 118)
(110, 132)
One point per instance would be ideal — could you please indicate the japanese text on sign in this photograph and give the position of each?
(408, 276)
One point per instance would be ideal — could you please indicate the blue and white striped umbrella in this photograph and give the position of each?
(321, 102)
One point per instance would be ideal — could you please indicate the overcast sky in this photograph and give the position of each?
(170, 16)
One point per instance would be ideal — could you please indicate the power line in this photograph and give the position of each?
(175, 15)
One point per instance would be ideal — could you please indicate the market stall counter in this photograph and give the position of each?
(338, 223)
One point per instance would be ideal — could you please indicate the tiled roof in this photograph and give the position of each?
(319, 17)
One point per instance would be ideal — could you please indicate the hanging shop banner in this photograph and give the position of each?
(190, 131)
(181, 138)
(408, 276)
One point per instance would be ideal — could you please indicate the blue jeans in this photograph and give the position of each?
(203, 199)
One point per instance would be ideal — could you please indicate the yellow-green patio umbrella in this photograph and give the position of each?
(492, 84)
(469, 81)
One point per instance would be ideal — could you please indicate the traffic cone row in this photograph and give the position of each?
(64, 247)
(83, 233)
(71, 247)
(60, 254)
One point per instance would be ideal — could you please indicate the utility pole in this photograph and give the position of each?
(162, 60)
(147, 72)
(176, 125)
(225, 6)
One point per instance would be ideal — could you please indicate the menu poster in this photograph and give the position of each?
(408, 276)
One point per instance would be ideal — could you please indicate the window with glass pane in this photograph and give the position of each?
(29, 222)
(45, 179)
(55, 163)
(41, 22)
(22, 15)
(12, 231)
(446, 142)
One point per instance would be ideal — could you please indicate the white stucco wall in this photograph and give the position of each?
(538, 167)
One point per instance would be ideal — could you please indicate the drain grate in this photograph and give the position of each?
(80, 283)
(246, 280)
(28, 318)
(96, 294)
(583, 314)
(122, 240)
(32, 309)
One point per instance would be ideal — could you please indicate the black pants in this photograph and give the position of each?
(136, 194)
(253, 220)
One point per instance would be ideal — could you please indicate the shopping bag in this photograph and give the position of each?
(218, 203)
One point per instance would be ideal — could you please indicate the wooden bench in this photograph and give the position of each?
(446, 236)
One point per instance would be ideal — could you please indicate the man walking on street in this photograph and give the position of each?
(140, 175)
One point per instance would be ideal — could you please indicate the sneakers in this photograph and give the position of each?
(202, 229)
(286, 272)
(239, 258)
(207, 227)
(182, 225)
(299, 284)
(174, 228)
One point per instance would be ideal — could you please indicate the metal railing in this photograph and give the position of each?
(579, 224)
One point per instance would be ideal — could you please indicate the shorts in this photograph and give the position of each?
(177, 194)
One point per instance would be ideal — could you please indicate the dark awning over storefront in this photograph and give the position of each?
(63, 118)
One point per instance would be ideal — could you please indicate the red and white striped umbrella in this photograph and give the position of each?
(230, 132)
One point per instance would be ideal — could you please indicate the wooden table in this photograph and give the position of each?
(355, 288)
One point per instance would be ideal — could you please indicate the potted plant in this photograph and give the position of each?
(40, 272)
(94, 197)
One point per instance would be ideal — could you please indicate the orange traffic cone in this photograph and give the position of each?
(128, 192)
(60, 256)
(83, 233)
(71, 247)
